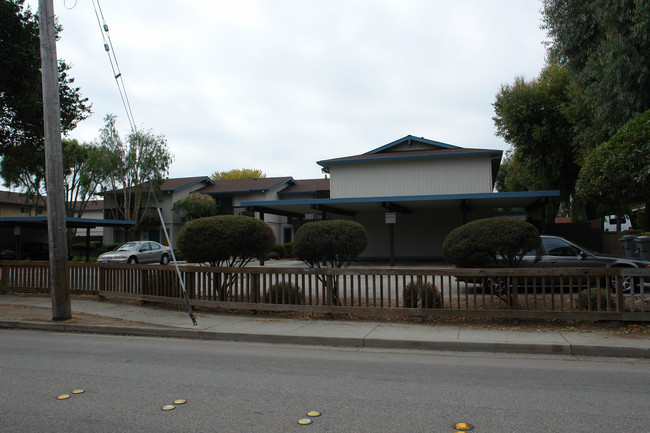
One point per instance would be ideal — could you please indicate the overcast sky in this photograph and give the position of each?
(278, 85)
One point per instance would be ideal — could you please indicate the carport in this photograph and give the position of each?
(39, 223)
(464, 207)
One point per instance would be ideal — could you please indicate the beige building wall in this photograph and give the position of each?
(412, 177)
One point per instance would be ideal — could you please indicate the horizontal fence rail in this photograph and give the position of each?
(565, 293)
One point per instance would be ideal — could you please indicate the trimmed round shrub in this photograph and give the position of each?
(421, 295)
(285, 293)
(335, 242)
(588, 299)
(278, 250)
(490, 243)
(272, 256)
(232, 239)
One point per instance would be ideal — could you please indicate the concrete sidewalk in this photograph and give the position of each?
(102, 317)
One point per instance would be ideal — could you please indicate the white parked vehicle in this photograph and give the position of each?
(610, 223)
(137, 252)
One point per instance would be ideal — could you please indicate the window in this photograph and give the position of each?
(24, 210)
(558, 247)
(225, 205)
(287, 234)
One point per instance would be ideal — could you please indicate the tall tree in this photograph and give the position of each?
(237, 173)
(605, 44)
(533, 117)
(617, 173)
(21, 101)
(136, 169)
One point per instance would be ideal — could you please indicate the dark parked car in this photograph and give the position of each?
(137, 252)
(557, 252)
(27, 251)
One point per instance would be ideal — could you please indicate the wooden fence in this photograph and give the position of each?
(516, 293)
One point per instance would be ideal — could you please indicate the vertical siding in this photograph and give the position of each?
(417, 235)
(409, 177)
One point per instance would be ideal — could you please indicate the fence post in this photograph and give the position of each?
(620, 303)
(4, 282)
(254, 288)
(330, 290)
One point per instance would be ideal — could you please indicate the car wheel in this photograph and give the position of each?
(132, 261)
(627, 282)
(164, 259)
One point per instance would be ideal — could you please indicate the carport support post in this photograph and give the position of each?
(56, 229)
(391, 240)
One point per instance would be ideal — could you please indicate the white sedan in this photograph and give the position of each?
(137, 252)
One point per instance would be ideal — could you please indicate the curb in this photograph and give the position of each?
(451, 346)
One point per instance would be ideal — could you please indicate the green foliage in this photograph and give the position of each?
(225, 240)
(21, 107)
(273, 255)
(284, 293)
(490, 242)
(109, 247)
(196, 205)
(418, 294)
(617, 173)
(532, 116)
(334, 242)
(136, 168)
(605, 44)
(278, 249)
(236, 173)
(288, 250)
(588, 300)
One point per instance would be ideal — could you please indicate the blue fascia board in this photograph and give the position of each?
(240, 191)
(409, 138)
(290, 181)
(475, 196)
(325, 163)
(210, 182)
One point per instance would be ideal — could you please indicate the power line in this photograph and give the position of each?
(115, 67)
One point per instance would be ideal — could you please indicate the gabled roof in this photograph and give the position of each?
(18, 198)
(304, 186)
(247, 185)
(410, 140)
(179, 183)
(174, 184)
(410, 147)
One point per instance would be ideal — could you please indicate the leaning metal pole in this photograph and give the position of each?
(178, 271)
(56, 228)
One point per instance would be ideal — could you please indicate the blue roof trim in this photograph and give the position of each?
(234, 191)
(475, 196)
(289, 181)
(210, 182)
(325, 163)
(410, 138)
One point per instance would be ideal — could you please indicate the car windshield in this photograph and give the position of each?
(131, 246)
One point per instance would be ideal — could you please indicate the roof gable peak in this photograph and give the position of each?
(411, 142)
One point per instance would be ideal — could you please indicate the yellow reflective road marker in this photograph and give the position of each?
(169, 407)
(180, 401)
(313, 413)
(63, 397)
(304, 421)
(463, 426)
(78, 391)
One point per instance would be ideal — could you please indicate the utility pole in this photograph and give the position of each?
(56, 228)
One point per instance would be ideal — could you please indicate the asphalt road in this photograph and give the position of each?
(236, 387)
